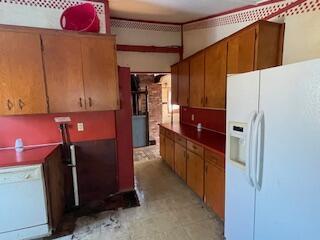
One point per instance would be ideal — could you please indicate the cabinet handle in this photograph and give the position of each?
(21, 104)
(9, 105)
(206, 100)
(90, 102)
(80, 102)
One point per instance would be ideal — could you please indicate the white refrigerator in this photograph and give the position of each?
(273, 154)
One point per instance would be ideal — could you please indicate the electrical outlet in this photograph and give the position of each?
(192, 117)
(80, 127)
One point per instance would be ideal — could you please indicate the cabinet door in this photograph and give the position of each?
(197, 80)
(183, 92)
(180, 161)
(100, 73)
(216, 75)
(162, 146)
(195, 173)
(170, 152)
(63, 66)
(22, 77)
(174, 84)
(215, 188)
(241, 50)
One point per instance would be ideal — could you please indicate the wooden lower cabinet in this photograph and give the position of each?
(203, 170)
(180, 160)
(163, 146)
(195, 173)
(54, 178)
(170, 152)
(215, 187)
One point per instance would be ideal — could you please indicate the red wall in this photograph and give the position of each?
(211, 119)
(124, 133)
(39, 129)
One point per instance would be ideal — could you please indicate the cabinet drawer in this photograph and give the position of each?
(195, 148)
(162, 130)
(181, 140)
(214, 158)
(170, 134)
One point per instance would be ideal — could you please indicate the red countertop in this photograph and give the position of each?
(30, 156)
(211, 140)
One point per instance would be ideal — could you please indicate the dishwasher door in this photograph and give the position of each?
(23, 202)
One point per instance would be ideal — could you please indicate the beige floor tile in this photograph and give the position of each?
(169, 209)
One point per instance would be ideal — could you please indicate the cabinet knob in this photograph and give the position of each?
(80, 102)
(90, 102)
(9, 105)
(21, 104)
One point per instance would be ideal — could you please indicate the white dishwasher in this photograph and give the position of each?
(23, 204)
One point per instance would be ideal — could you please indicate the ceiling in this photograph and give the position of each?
(178, 11)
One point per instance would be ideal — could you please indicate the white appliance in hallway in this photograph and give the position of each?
(273, 154)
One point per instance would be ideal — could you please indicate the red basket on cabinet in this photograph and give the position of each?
(82, 18)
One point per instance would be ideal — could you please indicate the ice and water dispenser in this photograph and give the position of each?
(237, 140)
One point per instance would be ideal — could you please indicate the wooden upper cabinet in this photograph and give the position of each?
(81, 73)
(241, 50)
(216, 76)
(256, 47)
(174, 84)
(63, 66)
(197, 66)
(100, 73)
(269, 44)
(21, 75)
(183, 92)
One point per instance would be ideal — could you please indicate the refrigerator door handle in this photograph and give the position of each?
(248, 162)
(257, 146)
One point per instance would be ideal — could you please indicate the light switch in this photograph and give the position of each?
(192, 117)
(80, 127)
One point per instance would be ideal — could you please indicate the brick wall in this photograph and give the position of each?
(154, 105)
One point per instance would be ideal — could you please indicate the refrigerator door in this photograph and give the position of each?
(287, 205)
(242, 101)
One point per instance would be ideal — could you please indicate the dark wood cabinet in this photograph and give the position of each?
(215, 76)
(215, 183)
(96, 169)
(174, 84)
(54, 178)
(197, 67)
(183, 86)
